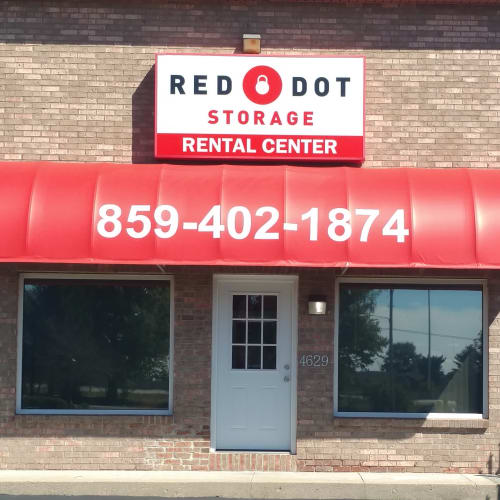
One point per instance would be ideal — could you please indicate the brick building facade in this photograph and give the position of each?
(77, 85)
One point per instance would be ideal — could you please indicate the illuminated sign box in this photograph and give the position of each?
(259, 108)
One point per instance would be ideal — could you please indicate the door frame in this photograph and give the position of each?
(255, 279)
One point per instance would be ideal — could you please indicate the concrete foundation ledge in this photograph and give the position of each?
(272, 485)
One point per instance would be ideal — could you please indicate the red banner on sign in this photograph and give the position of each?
(259, 147)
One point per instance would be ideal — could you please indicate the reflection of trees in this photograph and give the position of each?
(465, 381)
(407, 363)
(419, 384)
(415, 377)
(360, 340)
(472, 355)
(380, 375)
(110, 339)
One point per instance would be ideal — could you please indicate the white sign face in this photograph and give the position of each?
(255, 107)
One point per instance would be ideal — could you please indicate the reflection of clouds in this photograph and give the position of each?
(451, 330)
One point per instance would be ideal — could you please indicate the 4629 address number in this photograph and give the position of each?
(314, 360)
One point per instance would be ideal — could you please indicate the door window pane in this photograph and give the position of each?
(95, 344)
(255, 306)
(238, 357)
(239, 306)
(254, 332)
(253, 360)
(270, 332)
(269, 358)
(270, 306)
(239, 332)
(410, 349)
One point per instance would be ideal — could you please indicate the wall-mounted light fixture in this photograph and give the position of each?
(251, 44)
(316, 304)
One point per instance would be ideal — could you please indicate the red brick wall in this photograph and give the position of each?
(76, 84)
(76, 79)
(182, 441)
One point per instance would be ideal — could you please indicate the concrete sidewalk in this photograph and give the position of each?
(298, 485)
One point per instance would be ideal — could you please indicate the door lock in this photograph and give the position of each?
(286, 367)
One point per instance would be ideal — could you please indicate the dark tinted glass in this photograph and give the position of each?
(239, 333)
(410, 350)
(95, 345)
(238, 362)
(253, 361)
(239, 306)
(255, 306)
(270, 306)
(269, 358)
(254, 332)
(270, 332)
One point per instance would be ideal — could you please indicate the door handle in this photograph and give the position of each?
(286, 378)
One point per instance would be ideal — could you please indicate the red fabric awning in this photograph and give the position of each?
(249, 215)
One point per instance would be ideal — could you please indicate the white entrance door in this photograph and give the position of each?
(253, 328)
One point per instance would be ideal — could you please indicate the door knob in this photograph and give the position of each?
(286, 378)
(286, 367)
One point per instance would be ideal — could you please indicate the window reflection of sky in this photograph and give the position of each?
(456, 320)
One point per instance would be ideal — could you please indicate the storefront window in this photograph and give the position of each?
(410, 349)
(95, 345)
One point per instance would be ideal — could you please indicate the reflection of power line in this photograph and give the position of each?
(420, 332)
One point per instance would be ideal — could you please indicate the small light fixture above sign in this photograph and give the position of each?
(251, 44)
(317, 304)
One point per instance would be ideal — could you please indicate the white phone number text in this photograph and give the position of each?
(241, 223)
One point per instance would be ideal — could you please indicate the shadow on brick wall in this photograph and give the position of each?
(143, 120)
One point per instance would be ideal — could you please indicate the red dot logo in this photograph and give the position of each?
(262, 84)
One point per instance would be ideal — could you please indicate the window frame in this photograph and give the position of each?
(91, 276)
(373, 281)
(262, 344)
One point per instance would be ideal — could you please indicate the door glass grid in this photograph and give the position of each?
(254, 327)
